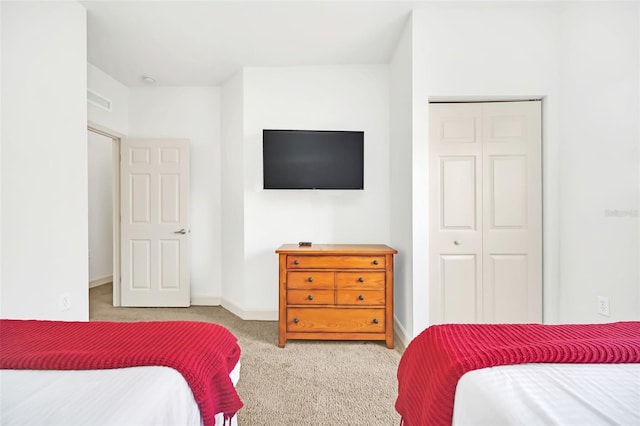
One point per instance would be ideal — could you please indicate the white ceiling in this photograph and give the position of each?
(202, 43)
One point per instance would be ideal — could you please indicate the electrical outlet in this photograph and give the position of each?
(65, 302)
(603, 306)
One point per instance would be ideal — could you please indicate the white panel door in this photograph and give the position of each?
(485, 212)
(512, 204)
(455, 212)
(154, 181)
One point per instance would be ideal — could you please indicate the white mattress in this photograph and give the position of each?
(549, 394)
(119, 397)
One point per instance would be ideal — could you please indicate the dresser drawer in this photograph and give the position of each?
(335, 262)
(363, 280)
(338, 320)
(310, 279)
(360, 297)
(310, 297)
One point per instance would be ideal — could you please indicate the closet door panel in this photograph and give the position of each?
(455, 259)
(512, 207)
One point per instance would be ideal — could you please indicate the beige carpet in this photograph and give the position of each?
(306, 383)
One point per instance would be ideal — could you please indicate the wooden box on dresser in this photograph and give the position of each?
(336, 292)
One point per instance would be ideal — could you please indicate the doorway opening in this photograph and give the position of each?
(103, 162)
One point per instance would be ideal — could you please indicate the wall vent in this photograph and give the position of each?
(98, 100)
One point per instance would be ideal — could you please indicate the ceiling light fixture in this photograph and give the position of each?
(148, 80)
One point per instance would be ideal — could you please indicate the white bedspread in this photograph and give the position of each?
(153, 396)
(549, 394)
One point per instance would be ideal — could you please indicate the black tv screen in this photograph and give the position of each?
(313, 159)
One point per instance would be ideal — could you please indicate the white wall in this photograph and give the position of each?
(600, 194)
(315, 98)
(116, 120)
(401, 124)
(44, 160)
(582, 59)
(100, 192)
(193, 113)
(233, 273)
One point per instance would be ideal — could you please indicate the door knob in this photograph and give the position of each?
(182, 231)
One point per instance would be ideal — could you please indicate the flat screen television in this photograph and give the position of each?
(313, 159)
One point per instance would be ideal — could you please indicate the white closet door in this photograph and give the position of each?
(455, 212)
(154, 180)
(512, 205)
(485, 212)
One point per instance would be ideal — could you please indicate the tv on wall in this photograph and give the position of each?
(313, 159)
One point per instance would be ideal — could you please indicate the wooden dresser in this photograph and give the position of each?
(336, 292)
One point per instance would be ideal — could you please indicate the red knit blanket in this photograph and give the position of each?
(203, 353)
(433, 362)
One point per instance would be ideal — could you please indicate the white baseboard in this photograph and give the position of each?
(401, 335)
(206, 301)
(249, 315)
(100, 281)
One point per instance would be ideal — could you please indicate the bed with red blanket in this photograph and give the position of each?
(126, 372)
(490, 374)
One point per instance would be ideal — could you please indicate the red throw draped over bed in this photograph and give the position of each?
(434, 361)
(203, 353)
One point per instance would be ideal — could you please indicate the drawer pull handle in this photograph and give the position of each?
(310, 279)
(296, 320)
(310, 297)
(375, 262)
(361, 297)
(361, 279)
(375, 320)
(296, 262)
